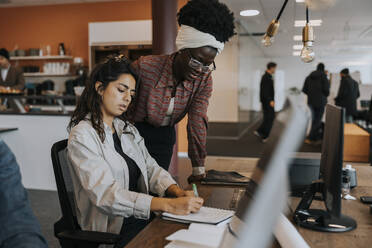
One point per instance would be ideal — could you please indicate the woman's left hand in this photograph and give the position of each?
(176, 191)
(189, 193)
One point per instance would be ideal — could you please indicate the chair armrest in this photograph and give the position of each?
(90, 236)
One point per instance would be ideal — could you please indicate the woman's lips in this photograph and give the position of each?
(123, 107)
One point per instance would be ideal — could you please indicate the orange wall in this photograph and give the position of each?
(35, 26)
(32, 27)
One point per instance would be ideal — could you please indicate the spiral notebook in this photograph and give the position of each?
(205, 215)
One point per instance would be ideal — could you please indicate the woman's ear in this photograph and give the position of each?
(99, 88)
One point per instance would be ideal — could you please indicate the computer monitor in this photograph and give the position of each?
(329, 184)
(267, 193)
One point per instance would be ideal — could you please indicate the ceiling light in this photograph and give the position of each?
(302, 23)
(297, 47)
(300, 1)
(307, 52)
(297, 37)
(296, 53)
(273, 27)
(249, 12)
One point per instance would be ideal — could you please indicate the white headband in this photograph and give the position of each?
(189, 37)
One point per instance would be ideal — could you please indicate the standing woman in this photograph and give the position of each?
(171, 86)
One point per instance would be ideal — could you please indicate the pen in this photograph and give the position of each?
(195, 190)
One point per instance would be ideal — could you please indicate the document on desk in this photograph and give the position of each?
(205, 215)
(198, 235)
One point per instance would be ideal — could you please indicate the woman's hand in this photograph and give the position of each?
(180, 206)
(185, 205)
(189, 193)
(176, 191)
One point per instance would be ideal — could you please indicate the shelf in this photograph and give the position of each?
(40, 57)
(42, 74)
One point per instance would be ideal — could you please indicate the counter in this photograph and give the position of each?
(37, 105)
(32, 143)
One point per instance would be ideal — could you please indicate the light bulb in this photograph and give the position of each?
(272, 29)
(307, 54)
(267, 40)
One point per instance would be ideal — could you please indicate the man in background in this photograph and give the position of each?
(18, 226)
(347, 96)
(10, 76)
(267, 101)
(316, 87)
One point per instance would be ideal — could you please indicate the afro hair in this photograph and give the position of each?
(208, 16)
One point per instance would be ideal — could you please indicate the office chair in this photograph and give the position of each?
(67, 229)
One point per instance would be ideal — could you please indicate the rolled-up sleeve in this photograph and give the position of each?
(197, 125)
(97, 180)
(159, 179)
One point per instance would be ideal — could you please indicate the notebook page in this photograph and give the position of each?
(205, 215)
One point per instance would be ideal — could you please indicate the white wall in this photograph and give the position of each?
(252, 64)
(223, 105)
(296, 70)
(251, 68)
(32, 144)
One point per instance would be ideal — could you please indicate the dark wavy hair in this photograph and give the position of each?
(208, 16)
(90, 101)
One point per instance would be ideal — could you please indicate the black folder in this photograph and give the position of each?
(225, 178)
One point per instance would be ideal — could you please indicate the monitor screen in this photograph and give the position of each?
(332, 158)
(287, 133)
(280, 124)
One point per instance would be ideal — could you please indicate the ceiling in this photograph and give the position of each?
(346, 31)
(17, 3)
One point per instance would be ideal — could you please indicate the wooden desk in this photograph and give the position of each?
(155, 233)
(153, 236)
(361, 237)
(356, 144)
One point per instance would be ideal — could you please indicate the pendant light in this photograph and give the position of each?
(273, 27)
(307, 53)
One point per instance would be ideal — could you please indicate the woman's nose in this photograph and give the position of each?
(127, 97)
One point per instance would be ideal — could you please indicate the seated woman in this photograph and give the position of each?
(111, 169)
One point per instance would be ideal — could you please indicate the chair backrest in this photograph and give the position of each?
(64, 185)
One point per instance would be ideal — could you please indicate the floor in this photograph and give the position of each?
(238, 140)
(45, 205)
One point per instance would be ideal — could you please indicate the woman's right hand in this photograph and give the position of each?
(185, 205)
(180, 206)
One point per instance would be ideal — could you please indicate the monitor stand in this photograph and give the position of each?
(317, 219)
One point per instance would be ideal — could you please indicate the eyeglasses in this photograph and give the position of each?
(195, 64)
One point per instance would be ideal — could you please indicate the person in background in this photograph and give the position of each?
(112, 171)
(267, 100)
(347, 95)
(10, 76)
(316, 87)
(19, 227)
(171, 86)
